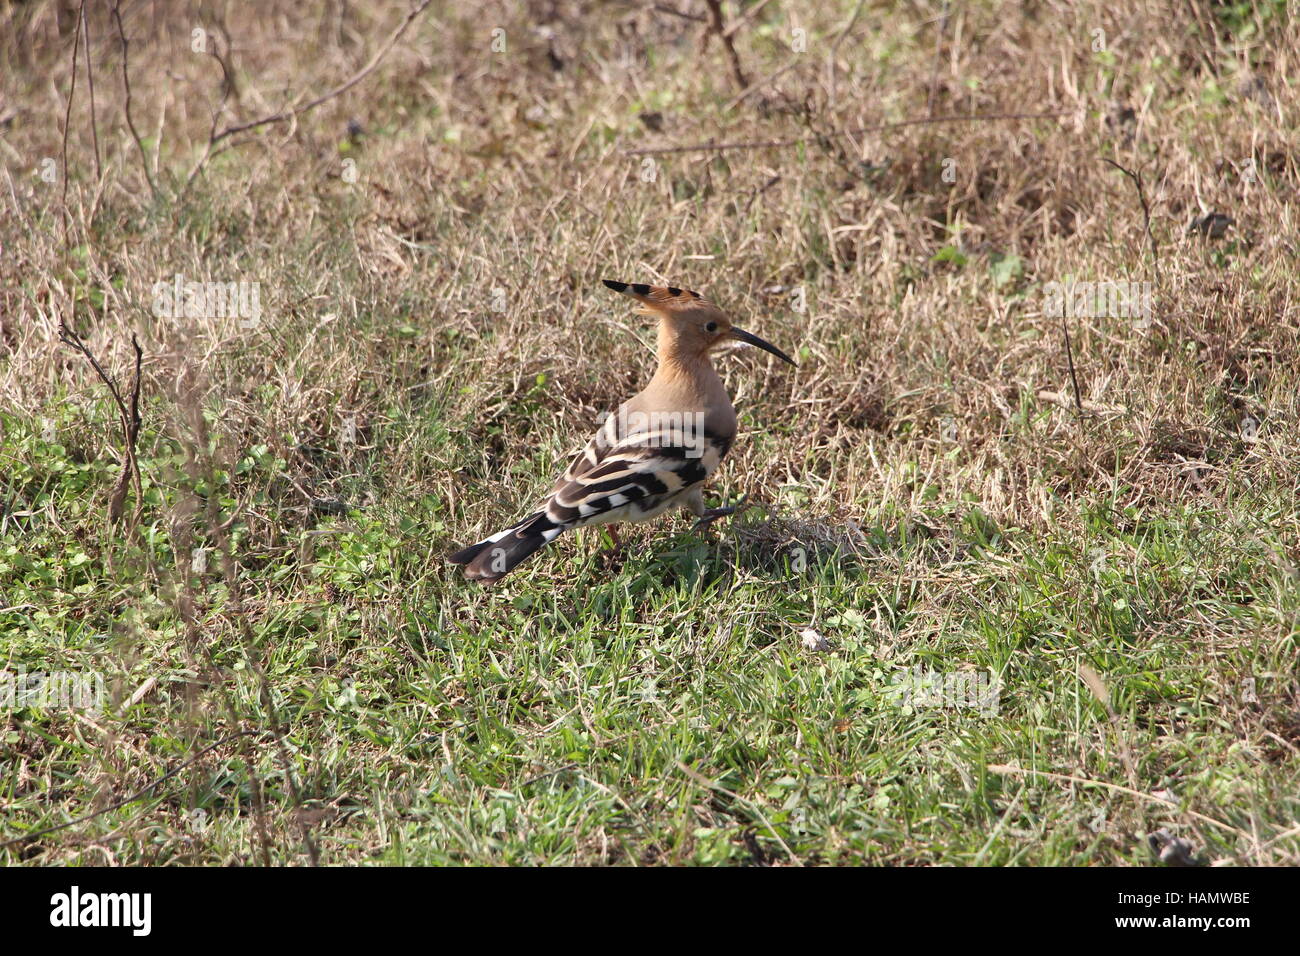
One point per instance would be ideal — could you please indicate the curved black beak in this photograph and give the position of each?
(741, 335)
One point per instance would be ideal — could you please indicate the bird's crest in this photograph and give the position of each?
(657, 298)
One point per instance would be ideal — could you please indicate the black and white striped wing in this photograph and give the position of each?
(635, 476)
(618, 477)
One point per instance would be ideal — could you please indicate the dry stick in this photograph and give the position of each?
(771, 77)
(743, 20)
(337, 91)
(130, 420)
(716, 25)
(126, 85)
(227, 86)
(762, 189)
(856, 131)
(286, 115)
(664, 8)
(1146, 211)
(1069, 357)
(138, 795)
(135, 433)
(67, 120)
(90, 83)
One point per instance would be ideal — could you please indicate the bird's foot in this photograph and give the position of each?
(713, 514)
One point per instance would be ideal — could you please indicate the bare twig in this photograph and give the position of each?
(1146, 209)
(664, 8)
(126, 86)
(227, 87)
(289, 114)
(743, 20)
(67, 118)
(1056, 398)
(771, 77)
(856, 131)
(718, 26)
(762, 189)
(1069, 357)
(130, 421)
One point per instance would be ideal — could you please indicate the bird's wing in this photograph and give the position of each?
(622, 476)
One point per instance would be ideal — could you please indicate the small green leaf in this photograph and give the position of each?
(950, 254)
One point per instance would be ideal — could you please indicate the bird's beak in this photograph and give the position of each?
(740, 335)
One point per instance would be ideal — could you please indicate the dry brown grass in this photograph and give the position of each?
(541, 205)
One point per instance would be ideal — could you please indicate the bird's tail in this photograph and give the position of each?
(495, 556)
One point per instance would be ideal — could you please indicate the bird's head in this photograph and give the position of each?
(693, 324)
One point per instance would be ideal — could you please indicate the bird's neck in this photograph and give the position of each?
(689, 378)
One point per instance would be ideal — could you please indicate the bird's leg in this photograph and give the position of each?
(708, 516)
(613, 533)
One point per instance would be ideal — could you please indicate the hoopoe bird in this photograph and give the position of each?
(654, 453)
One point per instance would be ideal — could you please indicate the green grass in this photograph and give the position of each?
(668, 713)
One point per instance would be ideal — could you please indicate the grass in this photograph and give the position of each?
(272, 617)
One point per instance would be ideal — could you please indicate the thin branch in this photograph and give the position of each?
(743, 20)
(760, 190)
(857, 131)
(1146, 209)
(129, 419)
(284, 116)
(227, 87)
(365, 71)
(1069, 357)
(771, 77)
(126, 85)
(67, 118)
(718, 25)
(664, 8)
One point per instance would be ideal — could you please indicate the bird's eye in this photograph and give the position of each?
(711, 327)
